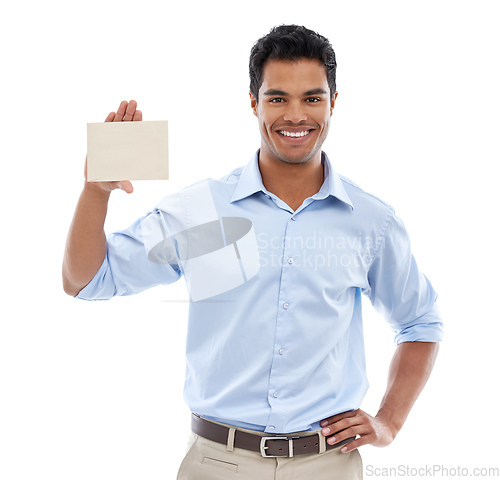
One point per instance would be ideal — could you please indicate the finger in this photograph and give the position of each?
(137, 116)
(348, 433)
(339, 416)
(354, 444)
(341, 425)
(110, 117)
(121, 111)
(129, 112)
(126, 186)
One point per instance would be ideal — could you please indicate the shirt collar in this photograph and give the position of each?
(250, 182)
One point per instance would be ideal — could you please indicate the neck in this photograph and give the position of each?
(292, 182)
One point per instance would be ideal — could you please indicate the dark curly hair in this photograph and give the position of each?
(291, 42)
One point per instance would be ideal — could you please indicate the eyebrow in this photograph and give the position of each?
(314, 91)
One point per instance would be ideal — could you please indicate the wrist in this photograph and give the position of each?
(95, 192)
(391, 421)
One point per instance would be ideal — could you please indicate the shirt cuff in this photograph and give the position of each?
(97, 288)
(427, 328)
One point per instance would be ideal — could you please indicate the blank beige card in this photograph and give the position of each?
(127, 151)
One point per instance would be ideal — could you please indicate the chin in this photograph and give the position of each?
(295, 159)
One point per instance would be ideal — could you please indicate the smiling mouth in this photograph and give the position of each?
(286, 133)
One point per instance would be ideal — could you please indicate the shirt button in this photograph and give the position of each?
(275, 394)
(285, 306)
(290, 260)
(271, 427)
(293, 218)
(282, 351)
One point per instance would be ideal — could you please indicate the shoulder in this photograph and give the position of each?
(233, 176)
(370, 215)
(201, 191)
(230, 178)
(365, 202)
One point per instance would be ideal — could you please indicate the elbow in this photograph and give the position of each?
(70, 287)
(73, 292)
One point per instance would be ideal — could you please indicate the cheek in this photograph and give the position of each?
(326, 123)
(265, 126)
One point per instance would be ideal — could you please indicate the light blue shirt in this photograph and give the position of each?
(275, 337)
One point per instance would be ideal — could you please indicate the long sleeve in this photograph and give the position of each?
(400, 291)
(137, 258)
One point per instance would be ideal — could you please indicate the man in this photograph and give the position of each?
(275, 256)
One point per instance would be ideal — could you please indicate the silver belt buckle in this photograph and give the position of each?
(263, 447)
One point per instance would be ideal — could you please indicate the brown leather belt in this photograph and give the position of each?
(268, 446)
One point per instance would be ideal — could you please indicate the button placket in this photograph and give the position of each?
(277, 373)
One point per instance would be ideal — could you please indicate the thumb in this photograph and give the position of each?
(126, 186)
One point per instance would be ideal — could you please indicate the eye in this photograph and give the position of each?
(313, 99)
(277, 100)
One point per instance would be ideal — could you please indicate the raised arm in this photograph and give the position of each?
(86, 242)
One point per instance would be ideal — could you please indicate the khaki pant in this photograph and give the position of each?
(208, 460)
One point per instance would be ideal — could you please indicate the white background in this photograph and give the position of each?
(94, 389)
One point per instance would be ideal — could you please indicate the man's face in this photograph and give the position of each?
(294, 109)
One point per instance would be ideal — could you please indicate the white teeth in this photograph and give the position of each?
(294, 134)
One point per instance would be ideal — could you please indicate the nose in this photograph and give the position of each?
(295, 112)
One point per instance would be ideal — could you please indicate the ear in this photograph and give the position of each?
(253, 104)
(332, 106)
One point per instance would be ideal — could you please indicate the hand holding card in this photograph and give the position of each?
(124, 147)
